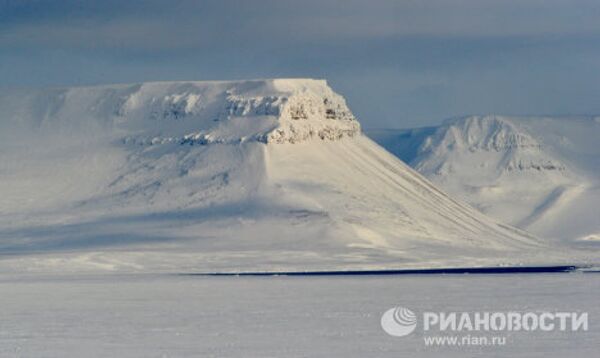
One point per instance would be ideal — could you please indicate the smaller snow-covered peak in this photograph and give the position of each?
(537, 173)
(483, 133)
(496, 143)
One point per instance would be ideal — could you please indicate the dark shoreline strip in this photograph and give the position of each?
(433, 271)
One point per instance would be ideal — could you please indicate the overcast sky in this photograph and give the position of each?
(398, 63)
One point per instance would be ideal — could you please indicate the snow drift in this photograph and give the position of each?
(216, 176)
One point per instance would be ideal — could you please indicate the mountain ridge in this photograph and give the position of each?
(214, 176)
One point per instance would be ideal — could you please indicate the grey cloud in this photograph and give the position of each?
(186, 24)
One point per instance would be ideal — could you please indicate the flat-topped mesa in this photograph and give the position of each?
(200, 112)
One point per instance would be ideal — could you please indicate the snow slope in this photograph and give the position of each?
(223, 176)
(541, 174)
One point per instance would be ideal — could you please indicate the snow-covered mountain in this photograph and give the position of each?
(210, 176)
(541, 174)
